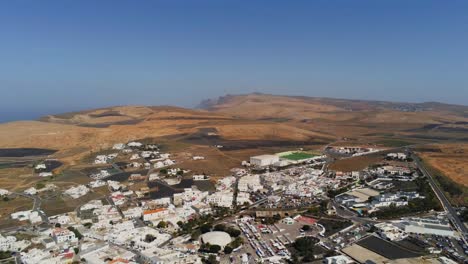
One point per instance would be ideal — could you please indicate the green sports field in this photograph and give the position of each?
(298, 156)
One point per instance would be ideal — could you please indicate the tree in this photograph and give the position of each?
(306, 227)
(233, 232)
(149, 238)
(276, 217)
(219, 227)
(195, 234)
(76, 232)
(238, 241)
(304, 247)
(211, 260)
(228, 250)
(6, 199)
(205, 228)
(162, 224)
(214, 248)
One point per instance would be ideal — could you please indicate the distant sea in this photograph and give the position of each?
(9, 115)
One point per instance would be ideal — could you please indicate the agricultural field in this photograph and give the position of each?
(298, 156)
(356, 163)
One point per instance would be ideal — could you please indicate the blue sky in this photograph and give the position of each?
(58, 56)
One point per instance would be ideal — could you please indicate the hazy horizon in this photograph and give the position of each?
(58, 56)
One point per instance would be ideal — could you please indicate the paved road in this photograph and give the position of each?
(351, 215)
(111, 202)
(451, 213)
(36, 205)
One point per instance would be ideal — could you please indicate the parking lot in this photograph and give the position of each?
(268, 241)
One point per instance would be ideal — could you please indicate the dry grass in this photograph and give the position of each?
(14, 205)
(238, 118)
(17, 179)
(452, 161)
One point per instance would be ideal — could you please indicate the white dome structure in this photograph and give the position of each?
(216, 238)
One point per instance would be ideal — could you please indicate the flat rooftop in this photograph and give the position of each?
(386, 249)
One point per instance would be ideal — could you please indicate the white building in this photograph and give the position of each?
(60, 219)
(45, 174)
(398, 155)
(132, 213)
(225, 183)
(4, 192)
(30, 191)
(155, 214)
(118, 146)
(390, 231)
(135, 144)
(200, 177)
(108, 254)
(428, 226)
(61, 235)
(264, 160)
(40, 166)
(221, 199)
(77, 192)
(32, 216)
(10, 243)
(340, 259)
(97, 184)
(158, 255)
(36, 256)
(250, 183)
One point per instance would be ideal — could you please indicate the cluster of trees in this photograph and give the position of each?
(448, 185)
(272, 220)
(233, 232)
(207, 247)
(195, 224)
(303, 249)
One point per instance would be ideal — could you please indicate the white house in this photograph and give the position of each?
(61, 235)
(221, 199)
(30, 191)
(4, 192)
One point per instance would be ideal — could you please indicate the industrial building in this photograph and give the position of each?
(264, 160)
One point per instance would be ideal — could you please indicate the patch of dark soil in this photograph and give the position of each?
(25, 152)
(119, 123)
(106, 114)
